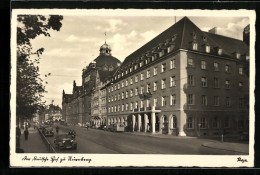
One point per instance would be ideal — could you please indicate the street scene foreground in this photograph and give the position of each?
(106, 142)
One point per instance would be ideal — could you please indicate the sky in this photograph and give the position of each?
(77, 43)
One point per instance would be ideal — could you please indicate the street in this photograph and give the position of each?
(105, 142)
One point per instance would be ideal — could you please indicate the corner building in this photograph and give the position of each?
(183, 82)
(83, 104)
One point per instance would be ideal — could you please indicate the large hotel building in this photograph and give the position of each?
(183, 82)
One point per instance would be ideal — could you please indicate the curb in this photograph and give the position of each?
(203, 144)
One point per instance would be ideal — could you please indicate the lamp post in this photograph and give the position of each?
(199, 128)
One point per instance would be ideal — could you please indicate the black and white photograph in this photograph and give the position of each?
(104, 88)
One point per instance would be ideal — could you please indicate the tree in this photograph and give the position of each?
(29, 84)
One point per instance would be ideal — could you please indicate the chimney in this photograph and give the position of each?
(246, 35)
(213, 30)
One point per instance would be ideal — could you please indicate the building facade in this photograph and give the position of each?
(82, 105)
(183, 82)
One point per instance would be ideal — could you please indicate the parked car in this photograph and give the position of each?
(48, 131)
(116, 127)
(65, 141)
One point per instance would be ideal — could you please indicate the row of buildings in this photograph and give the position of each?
(183, 82)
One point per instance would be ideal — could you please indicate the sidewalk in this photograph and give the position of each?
(235, 147)
(159, 135)
(34, 144)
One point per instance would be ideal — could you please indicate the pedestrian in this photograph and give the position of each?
(57, 129)
(26, 133)
(18, 134)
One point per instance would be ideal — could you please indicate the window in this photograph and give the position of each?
(215, 122)
(204, 100)
(163, 83)
(204, 82)
(112, 89)
(131, 93)
(131, 69)
(115, 97)
(126, 83)
(161, 53)
(155, 71)
(247, 57)
(155, 86)
(142, 90)
(190, 62)
(207, 49)
(203, 65)
(173, 99)
(142, 104)
(118, 97)
(141, 64)
(216, 66)
(152, 58)
(108, 109)
(148, 104)
(163, 67)
(122, 84)
(170, 48)
(112, 109)
(136, 78)
(174, 122)
(226, 122)
(136, 105)
(126, 107)
(155, 101)
(148, 88)
(191, 99)
(126, 72)
(227, 68)
(240, 84)
(142, 76)
(240, 70)
(195, 46)
(190, 80)
(227, 84)
(148, 74)
(203, 123)
(189, 123)
(131, 80)
(216, 101)
(216, 82)
(123, 107)
(131, 106)
(118, 108)
(220, 51)
(126, 94)
(228, 102)
(115, 87)
(238, 55)
(172, 81)
(136, 91)
(136, 66)
(112, 98)
(164, 101)
(123, 95)
(115, 109)
(172, 64)
(108, 90)
(241, 102)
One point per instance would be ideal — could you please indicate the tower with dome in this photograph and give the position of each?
(82, 105)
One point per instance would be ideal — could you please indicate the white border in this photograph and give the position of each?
(137, 160)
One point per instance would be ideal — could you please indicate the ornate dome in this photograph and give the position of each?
(105, 49)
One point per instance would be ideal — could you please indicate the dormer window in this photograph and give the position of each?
(161, 53)
(136, 66)
(152, 58)
(194, 35)
(126, 72)
(122, 74)
(207, 49)
(194, 46)
(131, 69)
(170, 48)
(205, 38)
(219, 51)
(238, 55)
(141, 64)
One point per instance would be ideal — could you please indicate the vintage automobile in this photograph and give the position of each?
(116, 127)
(65, 141)
(48, 131)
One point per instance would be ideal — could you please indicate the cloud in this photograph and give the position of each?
(148, 35)
(73, 38)
(234, 30)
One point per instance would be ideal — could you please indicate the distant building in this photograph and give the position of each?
(246, 35)
(183, 82)
(86, 103)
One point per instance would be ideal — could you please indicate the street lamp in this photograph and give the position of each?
(199, 128)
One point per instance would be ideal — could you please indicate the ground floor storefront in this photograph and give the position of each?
(183, 123)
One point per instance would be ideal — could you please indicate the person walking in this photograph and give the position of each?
(18, 134)
(26, 133)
